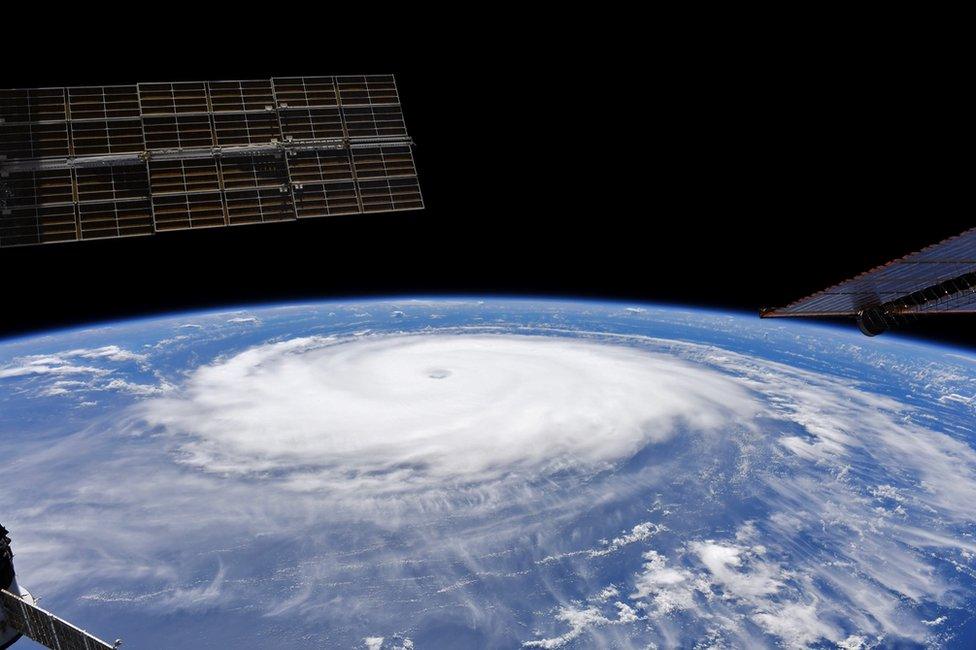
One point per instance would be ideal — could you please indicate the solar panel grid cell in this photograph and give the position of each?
(311, 123)
(187, 211)
(112, 184)
(34, 140)
(178, 131)
(240, 96)
(383, 162)
(374, 121)
(103, 102)
(320, 166)
(115, 219)
(254, 172)
(173, 98)
(246, 128)
(183, 176)
(259, 206)
(68, 636)
(38, 225)
(365, 90)
(28, 188)
(95, 137)
(30, 105)
(325, 200)
(305, 92)
(39, 627)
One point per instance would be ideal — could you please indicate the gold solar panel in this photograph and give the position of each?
(117, 161)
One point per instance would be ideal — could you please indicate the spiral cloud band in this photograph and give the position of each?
(401, 411)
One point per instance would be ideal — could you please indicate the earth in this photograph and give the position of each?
(499, 473)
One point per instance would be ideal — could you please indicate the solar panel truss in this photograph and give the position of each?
(117, 161)
(45, 628)
(936, 280)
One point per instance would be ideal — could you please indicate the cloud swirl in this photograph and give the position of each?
(411, 412)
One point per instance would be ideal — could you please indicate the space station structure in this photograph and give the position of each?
(937, 280)
(97, 162)
(21, 617)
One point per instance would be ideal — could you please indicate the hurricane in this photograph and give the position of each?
(407, 474)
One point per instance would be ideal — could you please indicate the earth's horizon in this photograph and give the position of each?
(498, 472)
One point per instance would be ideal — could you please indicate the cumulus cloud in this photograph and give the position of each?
(48, 366)
(78, 363)
(639, 533)
(581, 620)
(136, 388)
(110, 352)
(665, 588)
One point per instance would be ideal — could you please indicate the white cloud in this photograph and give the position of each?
(62, 374)
(664, 589)
(581, 620)
(800, 626)
(608, 592)
(411, 412)
(137, 389)
(48, 366)
(726, 564)
(853, 642)
(639, 533)
(110, 352)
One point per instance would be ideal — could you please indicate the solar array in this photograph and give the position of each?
(937, 279)
(45, 628)
(115, 161)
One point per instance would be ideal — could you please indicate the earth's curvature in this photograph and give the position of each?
(461, 473)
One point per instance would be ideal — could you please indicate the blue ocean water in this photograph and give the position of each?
(493, 473)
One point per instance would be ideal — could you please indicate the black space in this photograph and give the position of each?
(696, 163)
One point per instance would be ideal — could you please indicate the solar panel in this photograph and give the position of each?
(937, 279)
(46, 628)
(114, 161)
